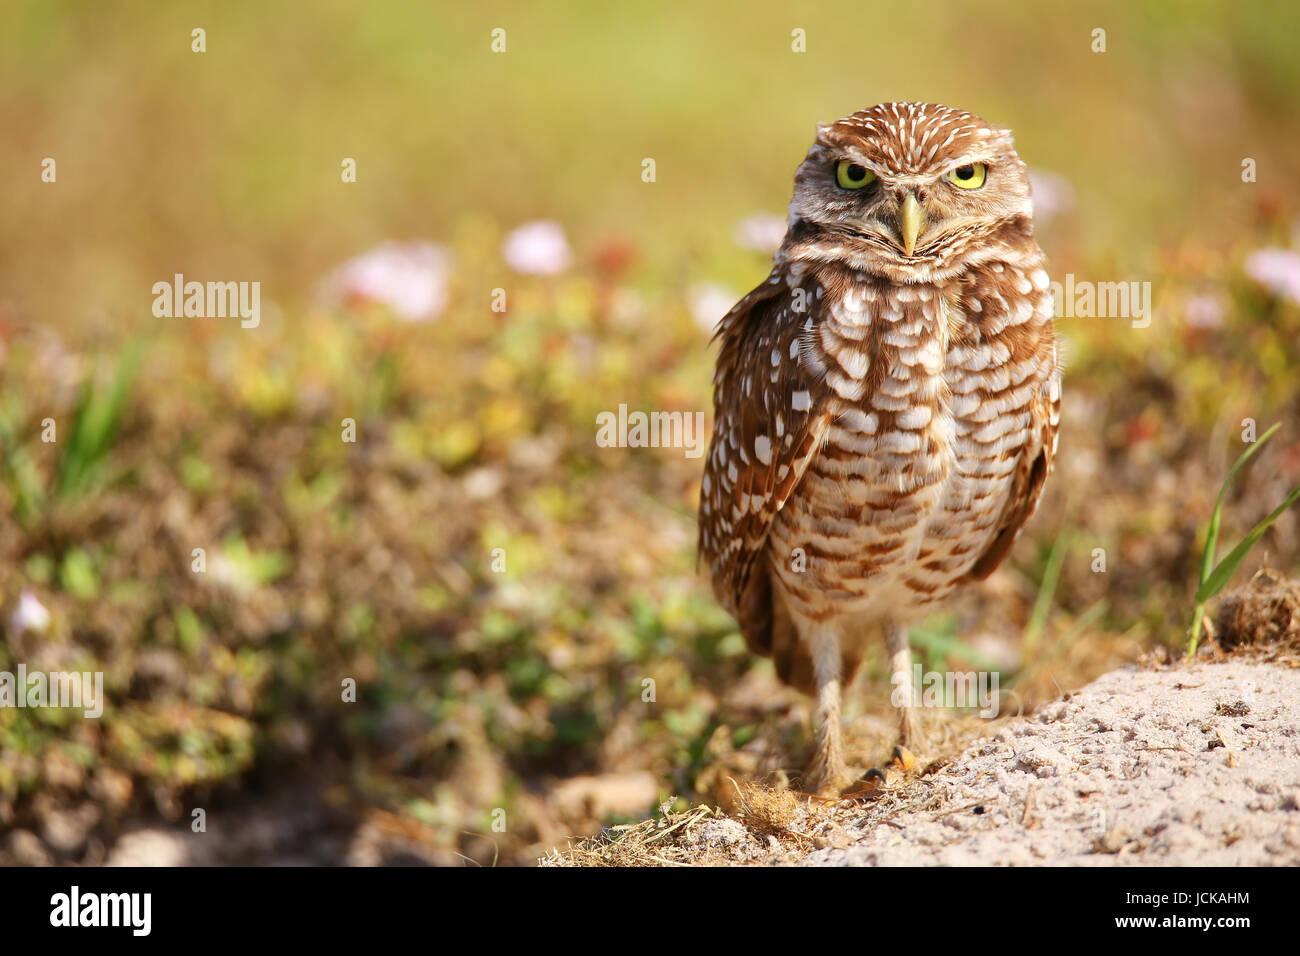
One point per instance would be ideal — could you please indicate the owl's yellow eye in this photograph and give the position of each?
(970, 176)
(851, 175)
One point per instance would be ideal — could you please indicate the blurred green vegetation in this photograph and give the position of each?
(227, 162)
(325, 560)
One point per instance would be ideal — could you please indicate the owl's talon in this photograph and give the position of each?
(866, 785)
(873, 779)
(903, 758)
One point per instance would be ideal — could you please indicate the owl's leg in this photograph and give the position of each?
(900, 666)
(827, 773)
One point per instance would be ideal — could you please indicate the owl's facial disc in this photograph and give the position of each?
(905, 189)
(915, 217)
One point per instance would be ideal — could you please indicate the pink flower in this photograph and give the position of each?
(709, 302)
(761, 232)
(410, 278)
(29, 615)
(1204, 311)
(1053, 194)
(1277, 270)
(538, 248)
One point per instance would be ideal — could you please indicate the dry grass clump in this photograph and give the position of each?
(690, 838)
(759, 825)
(763, 809)
(756, 825)
(1263, 615)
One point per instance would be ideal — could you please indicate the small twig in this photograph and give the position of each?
(1025, 820)
(1223, 739)
(703, 812)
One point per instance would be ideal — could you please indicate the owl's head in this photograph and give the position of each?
(911, 191)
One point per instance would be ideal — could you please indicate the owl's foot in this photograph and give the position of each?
(909, 729)
(864, 786)
(903, 760)
(827, 775)
(901, 763)
(900, 665)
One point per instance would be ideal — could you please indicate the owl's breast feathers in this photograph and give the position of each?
(875, 444)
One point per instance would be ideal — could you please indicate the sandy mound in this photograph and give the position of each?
(1187, 765)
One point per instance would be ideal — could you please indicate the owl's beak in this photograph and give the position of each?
(911, 222)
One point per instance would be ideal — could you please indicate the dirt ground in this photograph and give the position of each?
(1181, 765)
(1189, 765)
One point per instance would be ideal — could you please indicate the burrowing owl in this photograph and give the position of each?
(885, 403)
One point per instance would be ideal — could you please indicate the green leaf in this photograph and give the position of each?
(254, 568)
(77, 575)
(189, 630)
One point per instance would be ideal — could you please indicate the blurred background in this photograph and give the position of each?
(498, 586)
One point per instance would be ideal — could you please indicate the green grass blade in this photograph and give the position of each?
(1047, 586)
(939, 647)
(95, 424)
(1212, 533)
(1228, 566)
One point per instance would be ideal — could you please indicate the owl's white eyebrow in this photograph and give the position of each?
(970, 161)
(879, 173)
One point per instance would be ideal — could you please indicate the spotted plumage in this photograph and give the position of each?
(885, 403)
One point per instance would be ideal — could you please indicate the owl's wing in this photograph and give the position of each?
(770, 416)
(1032, 468)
